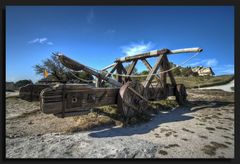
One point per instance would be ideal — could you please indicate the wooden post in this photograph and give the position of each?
(170, 74)
(119, 71)
(130, 69)
(153, 71)
(149, 67)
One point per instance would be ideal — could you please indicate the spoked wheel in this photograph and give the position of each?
(181, 94)
(131, 101)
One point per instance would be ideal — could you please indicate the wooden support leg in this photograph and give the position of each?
(169, 72)
(149, 67)
(119, 71)
(130, 69)
(153, 71)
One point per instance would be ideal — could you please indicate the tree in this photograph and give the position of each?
(57, 72)
(187, 71)
(22, 83)
(145, 72)
(134, 70)
(177, 72)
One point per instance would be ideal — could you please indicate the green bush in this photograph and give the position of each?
(22, 83)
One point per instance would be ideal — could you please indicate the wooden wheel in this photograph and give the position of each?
(130, 99)
(181, 94)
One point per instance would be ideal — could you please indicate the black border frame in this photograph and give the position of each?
(234, 3)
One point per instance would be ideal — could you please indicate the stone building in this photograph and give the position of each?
(203, 71)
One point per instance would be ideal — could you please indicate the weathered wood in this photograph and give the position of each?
(149, 67)
(157, 53)
(119, 71)
(130, 69)
(142, 56)
(112, 70)
(71, 64)
(31, 92)
(129, 102)
(153, 71)
(122, 67)
(169, 72)
(109, 66)
(76, 98)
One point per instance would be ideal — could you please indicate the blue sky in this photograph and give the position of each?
(97, 35)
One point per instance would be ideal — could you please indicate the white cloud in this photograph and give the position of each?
(206, 62)
(90, 16)
(137, 48)
(211, 62)
(40, 41)
(50, 43)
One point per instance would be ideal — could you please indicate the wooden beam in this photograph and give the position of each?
(74, 65)
(113, 69)
(119, 71)
(170, 74)
(107, 67)
(130, 69)
(149, 67)
(153, 71)
(157, 53)
(123, 69)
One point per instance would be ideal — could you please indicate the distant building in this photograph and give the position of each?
(203, 71)
(10, 86)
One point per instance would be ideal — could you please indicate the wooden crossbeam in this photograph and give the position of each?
(130, 69)
(149, 67)
(122, 67)
(112, 70)
(153, 71)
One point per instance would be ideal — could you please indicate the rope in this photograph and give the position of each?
(123, 75)
(87, 81)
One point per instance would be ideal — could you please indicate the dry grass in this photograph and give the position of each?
(110, 115)
(90, 121)
(193, 82)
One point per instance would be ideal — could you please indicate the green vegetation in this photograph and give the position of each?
(22, 83)
(57, 71)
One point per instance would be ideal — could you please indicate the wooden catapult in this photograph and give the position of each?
(131, 96)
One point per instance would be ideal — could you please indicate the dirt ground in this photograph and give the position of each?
(204, 128)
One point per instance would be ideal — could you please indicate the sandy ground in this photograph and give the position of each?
(202, 129)
(226, 87)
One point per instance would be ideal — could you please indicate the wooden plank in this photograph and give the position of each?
(76, 99)
(130, 69)
(170, 74)
(156, 53)
(119, 71)
(112, 70)
(153, 71)
(107, 67)
(71, 64)
(149, 67)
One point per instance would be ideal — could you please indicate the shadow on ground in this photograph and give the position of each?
(175, 115)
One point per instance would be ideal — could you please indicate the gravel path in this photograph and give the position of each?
(226, 87)
(203, 130)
